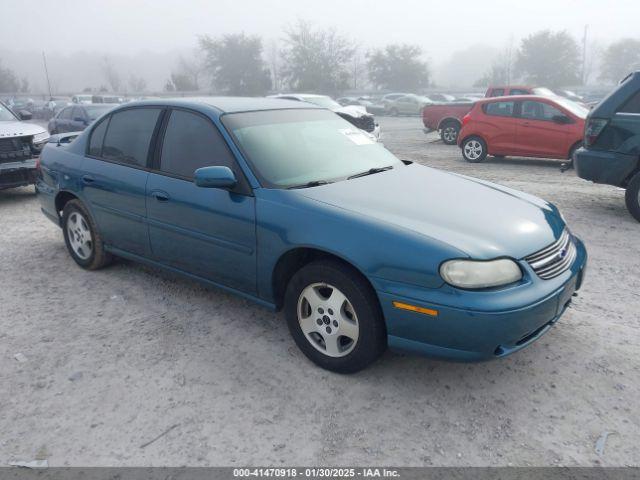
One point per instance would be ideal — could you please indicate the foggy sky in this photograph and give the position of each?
(133, 27)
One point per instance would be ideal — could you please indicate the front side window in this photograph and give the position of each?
(65, 114)
(288, 148)
(191, 142)
(129, 135)
(499, 109)
(539, 111)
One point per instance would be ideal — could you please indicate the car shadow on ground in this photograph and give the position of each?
(531, 162)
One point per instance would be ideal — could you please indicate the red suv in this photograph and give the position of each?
(523, 126)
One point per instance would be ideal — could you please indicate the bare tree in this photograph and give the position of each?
(274, 60)
(137, 84)
(317, 60)
(111, 75)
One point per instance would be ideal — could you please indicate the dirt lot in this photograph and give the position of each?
(112, 359)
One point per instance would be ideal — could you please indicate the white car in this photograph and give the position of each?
(20, 144)
(354, 114)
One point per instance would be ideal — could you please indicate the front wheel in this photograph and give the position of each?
(449, 133)
(334, 317)
(474, 149)
(632, 196)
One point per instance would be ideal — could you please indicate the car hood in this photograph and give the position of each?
(355, 111)
(483, 220)
(17, 129)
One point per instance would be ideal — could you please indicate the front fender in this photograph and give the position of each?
(380, 251)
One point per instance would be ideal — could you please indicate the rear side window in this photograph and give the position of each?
(78, 113)
(191, 142)
(632, 105)
(97, 137)
(539, 111)
(129, 135)
(499, 109)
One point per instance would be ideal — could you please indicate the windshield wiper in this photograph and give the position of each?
(371, 171)
(314, 183)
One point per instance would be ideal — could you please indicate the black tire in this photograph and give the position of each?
(372, 336)
(478, 155)
(96, 256)
(632, 196)
(449, 133)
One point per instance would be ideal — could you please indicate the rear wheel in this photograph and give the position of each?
(449, 133)
(334, 317)
(81, 236)
(632, 196)
(474, 149)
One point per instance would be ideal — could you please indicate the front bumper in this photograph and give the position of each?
(17, 174)
(607, 167)
(475, 335)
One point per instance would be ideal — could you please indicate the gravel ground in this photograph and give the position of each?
(107, 361)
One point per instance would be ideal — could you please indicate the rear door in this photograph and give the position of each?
(538, 134)
(208, 232)
(498, 127)
(115, 176)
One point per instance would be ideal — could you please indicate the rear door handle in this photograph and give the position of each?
(160, 196)
(88, 179)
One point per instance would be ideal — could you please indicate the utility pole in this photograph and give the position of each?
(584, 55)
(46, 72)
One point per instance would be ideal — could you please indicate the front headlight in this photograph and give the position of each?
(480, 274)
(40, 137)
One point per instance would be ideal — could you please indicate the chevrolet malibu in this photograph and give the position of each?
(293, 207)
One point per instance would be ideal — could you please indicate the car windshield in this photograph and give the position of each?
(95, 111)
(288, 148)
(6, 115)
(575, 108)
(325, 102)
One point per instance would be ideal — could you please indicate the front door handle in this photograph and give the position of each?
(87, 179)
(160, 196)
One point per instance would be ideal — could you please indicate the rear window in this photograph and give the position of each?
(632, 105)
(497, 92)
(129, 135)
(499, 109)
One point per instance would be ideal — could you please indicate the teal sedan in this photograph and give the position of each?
(291, 206)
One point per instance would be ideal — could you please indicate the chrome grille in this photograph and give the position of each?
(14, 149)
(551, 261)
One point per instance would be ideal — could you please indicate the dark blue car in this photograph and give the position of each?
(292, 206)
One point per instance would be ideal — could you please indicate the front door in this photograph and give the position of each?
(208, 232)
(115, 177)
(538, 134)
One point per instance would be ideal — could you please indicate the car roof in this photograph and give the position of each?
(514, 98)
(226, 104)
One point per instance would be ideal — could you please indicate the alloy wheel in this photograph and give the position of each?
(79, 235)
(473, 149)
(328, 320)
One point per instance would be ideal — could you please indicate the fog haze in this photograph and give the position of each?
(146, 37)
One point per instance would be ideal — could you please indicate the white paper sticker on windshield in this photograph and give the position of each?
(357, 137)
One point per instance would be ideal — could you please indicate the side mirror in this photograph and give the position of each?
(561, 119)
(215, 177)
(25, 115)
